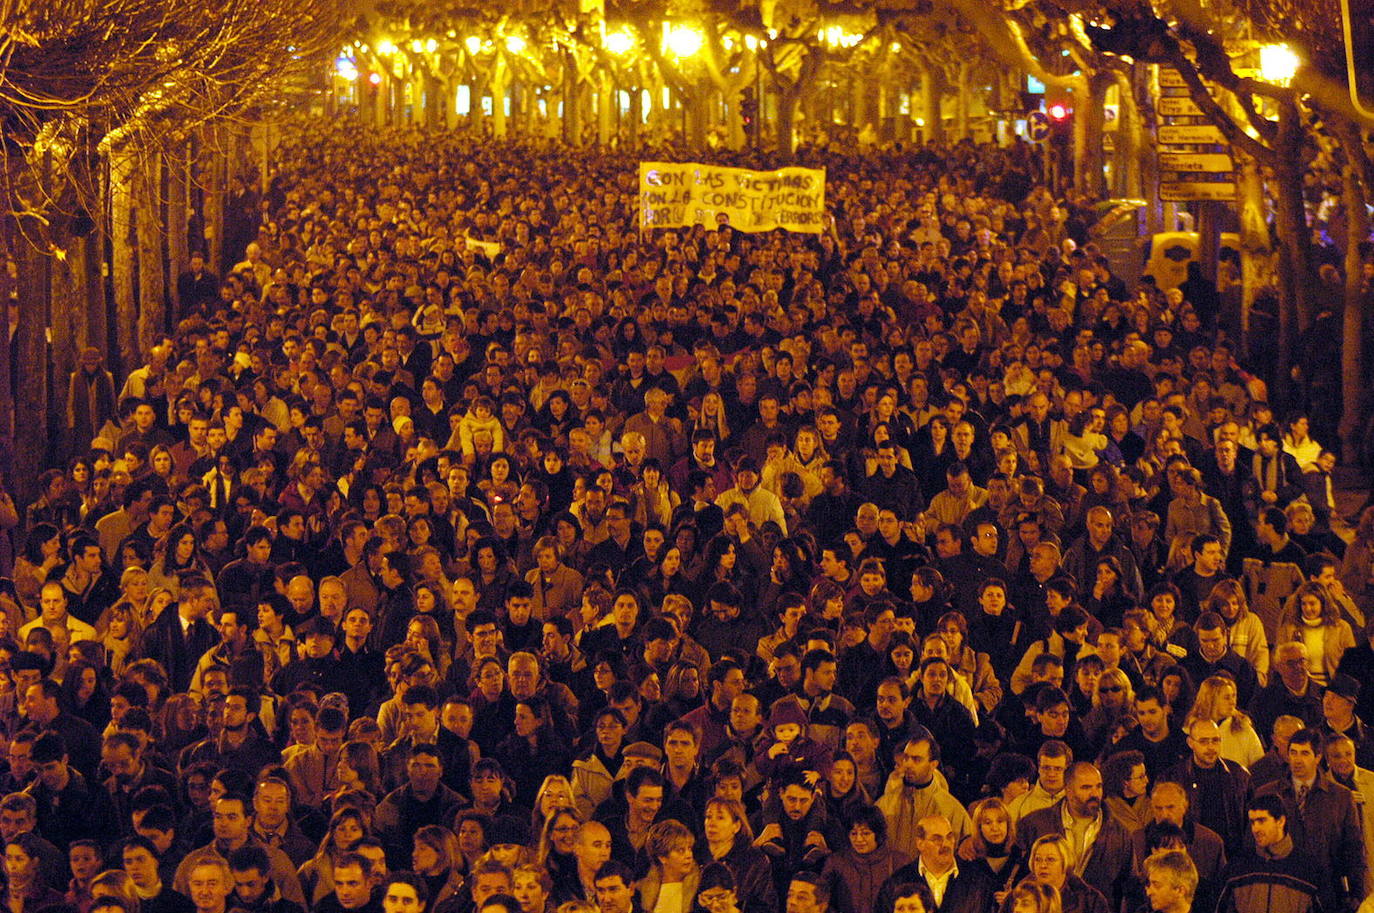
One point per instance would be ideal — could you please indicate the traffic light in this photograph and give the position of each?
(1358, 19)
(748, 107)
(1061, 123)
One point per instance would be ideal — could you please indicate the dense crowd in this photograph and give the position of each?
(466, 549)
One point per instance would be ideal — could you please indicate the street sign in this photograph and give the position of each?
(1206, 162)
(1193, 191)
(1170, 79)
(1038, 126)
(1178, 107)
(1200, 134)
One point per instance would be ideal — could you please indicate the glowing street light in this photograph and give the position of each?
(620, 42)
(386, 48)
(473, 44)
(346, 69)
(684, 40)
(515, 44)
(1278, 64)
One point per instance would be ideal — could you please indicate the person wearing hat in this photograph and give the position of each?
(1339, 700)
(318, 665)
(761, 504)
(784, 742)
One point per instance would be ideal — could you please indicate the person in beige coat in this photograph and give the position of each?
(1318, 624)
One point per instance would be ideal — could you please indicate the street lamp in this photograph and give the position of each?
(1278, 64)
(386, 48)
(473, 44)
(515, 44)
(619, 42)
(684, 40)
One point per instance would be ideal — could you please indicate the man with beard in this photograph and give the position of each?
(1102, 846)
(802, 835)
(916, 793)
(239, 745)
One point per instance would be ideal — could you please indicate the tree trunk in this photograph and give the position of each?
(572, 115)
(500, 83)
(933, 87)
(962, 102)
(1294, 241)
(789, 99)
(605, 109)
(177, 212)
(9, 290)
(152, 271)
(1256, 257)
(31, 396)
(122, 229)
(63, 301)
(1352, 338)
(1089, 159)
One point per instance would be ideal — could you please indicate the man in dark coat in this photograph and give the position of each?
(1091, 830)
(1275, 876)
(1216, 787)
(955, 889)
(1323, 820)
(178, 638)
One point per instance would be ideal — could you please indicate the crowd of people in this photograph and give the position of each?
(467, 549)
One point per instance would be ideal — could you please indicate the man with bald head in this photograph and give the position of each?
(955, 888)
(1216, 787)
(1101, 844)
(592, 850)
(1169, 807)
(1098, 542)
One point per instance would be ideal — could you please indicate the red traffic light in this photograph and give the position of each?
(1059, 112)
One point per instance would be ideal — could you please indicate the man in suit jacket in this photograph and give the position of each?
(1323, 820)
(1102, 844)
(180, 635)
(955, 889)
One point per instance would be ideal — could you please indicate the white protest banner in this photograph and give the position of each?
(679, 194)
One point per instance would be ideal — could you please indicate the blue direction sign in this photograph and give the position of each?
(1038, 126)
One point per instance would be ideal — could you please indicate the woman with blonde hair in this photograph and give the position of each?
(1051, 862)
(711, 416)
(1113, 698)
(119, 633)
(1312, 618)
(671, 883)
(554, 795)
(116, 883)
(992, 846)
(557, 846)
(424, 637)
(1216, 701)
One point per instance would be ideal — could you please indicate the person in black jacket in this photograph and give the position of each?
(1276, 875)
(180, 636)
(954, 888)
